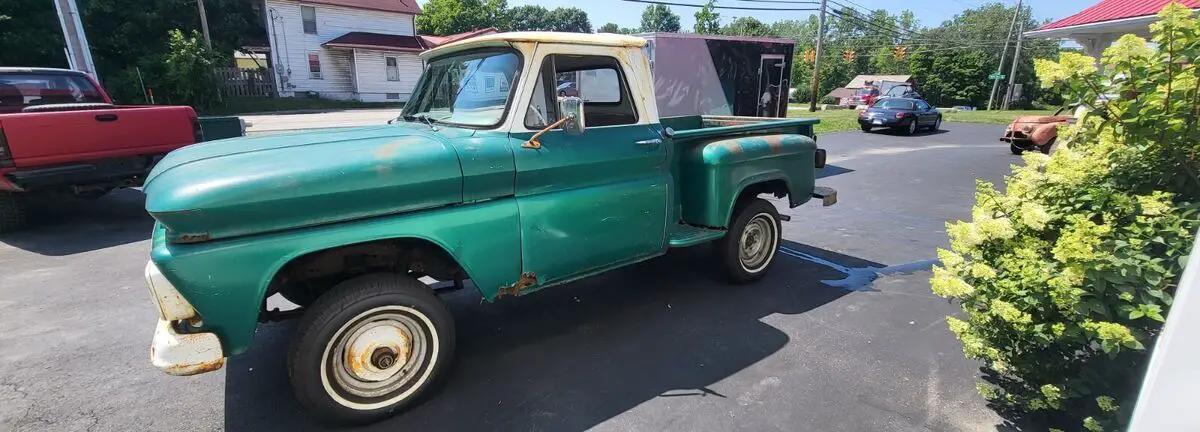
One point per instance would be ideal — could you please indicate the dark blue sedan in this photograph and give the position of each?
(908, 115)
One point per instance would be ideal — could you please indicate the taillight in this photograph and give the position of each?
(820, 157)
(6, 159)
(197, 132)
(862, 113)
(901, 115)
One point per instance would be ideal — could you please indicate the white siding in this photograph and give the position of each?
(373, 85)
(290, 45)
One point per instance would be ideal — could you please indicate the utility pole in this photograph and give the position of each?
(204, 23)
(79, 54)
(1000, 67)
(1012, 75)
(816, 74)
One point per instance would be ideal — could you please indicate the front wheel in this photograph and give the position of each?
(370, 347)
(912, 127)
(748, 249)
(1016, 149)
(865, 128)
(937, 124)
(1045, 148)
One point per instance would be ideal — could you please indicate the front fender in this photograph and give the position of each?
(226, 281)
(1044, 134)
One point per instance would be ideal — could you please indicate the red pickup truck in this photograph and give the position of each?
(61, 135)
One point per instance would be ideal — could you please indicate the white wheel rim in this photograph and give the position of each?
(912, 126)
(379, 358)
(758, 242)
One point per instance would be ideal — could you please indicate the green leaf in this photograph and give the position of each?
(1136, 313)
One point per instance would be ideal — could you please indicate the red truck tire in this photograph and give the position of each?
(13, 210)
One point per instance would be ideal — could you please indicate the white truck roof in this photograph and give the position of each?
(501, 39)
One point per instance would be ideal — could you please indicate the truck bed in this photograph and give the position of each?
(696, 127)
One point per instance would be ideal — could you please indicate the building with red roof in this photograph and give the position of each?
(1097, 27)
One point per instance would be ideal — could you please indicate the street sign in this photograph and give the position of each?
(996, 76)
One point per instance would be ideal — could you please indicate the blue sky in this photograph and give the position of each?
(929, 12)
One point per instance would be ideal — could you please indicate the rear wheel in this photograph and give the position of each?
(1045, 148)
(912, 127)
(748, 250)
(370, 347)
(14, 212)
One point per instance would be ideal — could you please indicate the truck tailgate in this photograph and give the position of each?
(45, 138)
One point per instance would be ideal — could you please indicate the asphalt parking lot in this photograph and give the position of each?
(843, 335)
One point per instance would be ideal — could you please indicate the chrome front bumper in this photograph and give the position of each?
(171, 351)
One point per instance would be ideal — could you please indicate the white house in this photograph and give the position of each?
(344, 49)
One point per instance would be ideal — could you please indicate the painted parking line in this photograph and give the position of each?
(858, 278)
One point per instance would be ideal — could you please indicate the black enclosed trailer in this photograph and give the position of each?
(720, 75)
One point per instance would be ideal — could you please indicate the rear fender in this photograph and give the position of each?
(1044, 133)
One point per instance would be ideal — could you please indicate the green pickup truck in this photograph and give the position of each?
(489, 175)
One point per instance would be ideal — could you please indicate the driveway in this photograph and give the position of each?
(843, 335)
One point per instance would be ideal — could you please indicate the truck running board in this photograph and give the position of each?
(687, 235)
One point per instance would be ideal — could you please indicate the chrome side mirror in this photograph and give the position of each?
(571, 108)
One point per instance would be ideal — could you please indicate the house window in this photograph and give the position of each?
(314, 65)
(309, 15)
(393, 69)
(392, 96)
(489, 84)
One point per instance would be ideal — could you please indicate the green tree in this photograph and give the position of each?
(34, 39)
(570, 20)
(609, 28)
(446, 17)
(708, 21)
(529, 17)
(659, 18)
(747, 26)
(189, 70)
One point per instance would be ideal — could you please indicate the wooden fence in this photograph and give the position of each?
(246, 82)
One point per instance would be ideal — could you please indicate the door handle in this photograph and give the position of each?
(106, 117)
(651, 143)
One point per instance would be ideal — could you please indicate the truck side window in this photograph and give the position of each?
(596, 79)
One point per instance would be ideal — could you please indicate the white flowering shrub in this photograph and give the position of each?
(1065, 277)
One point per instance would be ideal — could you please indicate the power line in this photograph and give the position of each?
(781, 1)
(892, 26)
(721, 7)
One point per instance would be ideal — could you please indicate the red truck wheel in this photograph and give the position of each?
(370, 347)
(13, 212)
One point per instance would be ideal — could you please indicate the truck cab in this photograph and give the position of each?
(491, 174)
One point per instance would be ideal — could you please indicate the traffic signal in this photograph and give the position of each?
(848, 55)
(810, 55)
(900, 51)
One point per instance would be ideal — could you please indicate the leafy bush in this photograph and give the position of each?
(1065, 277)
(189, 76)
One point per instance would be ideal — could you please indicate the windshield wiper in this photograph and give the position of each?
(424, 117)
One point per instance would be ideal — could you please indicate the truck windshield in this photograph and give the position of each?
(20, 90)
(468, 89)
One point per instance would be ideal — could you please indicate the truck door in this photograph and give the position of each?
(599, 199)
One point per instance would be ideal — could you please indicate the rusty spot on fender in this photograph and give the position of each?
(526, 280)
(193, 238)
(734, 146)
(775, 142)
(389, 150)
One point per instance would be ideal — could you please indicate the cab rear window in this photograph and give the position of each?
(20, 90)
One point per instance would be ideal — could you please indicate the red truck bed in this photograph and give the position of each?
(60, 134)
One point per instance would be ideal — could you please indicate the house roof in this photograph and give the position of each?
(505, 39)
(840, 93)
(436, 41)
(861, 80)
(1112, 10)
(399, 6)
(376, 41)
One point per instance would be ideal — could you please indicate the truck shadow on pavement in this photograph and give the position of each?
(574, 356)
(68, 227)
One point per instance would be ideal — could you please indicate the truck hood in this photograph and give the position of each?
(250, 185)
